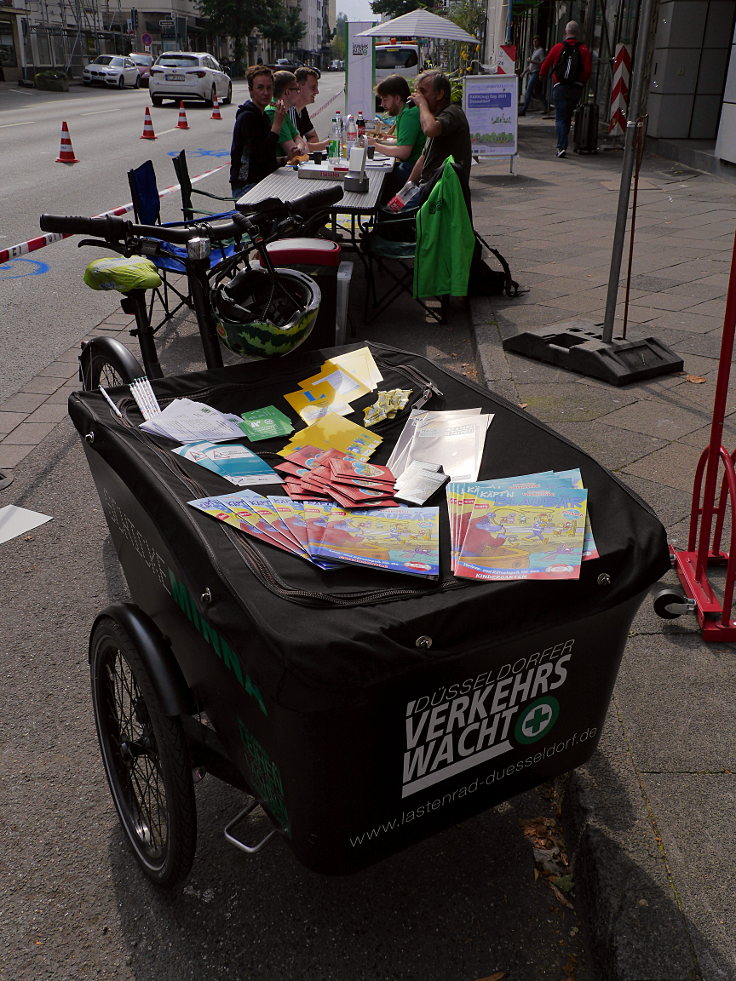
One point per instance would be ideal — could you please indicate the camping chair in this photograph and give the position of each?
(185, 185)
(389, 248)
(147, 211)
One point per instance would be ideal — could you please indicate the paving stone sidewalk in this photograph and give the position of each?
(652, 815)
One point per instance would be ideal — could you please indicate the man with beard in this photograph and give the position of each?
(395, 94)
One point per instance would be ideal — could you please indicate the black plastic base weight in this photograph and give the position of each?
(577, 346)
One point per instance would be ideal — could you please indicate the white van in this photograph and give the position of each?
(397, 59)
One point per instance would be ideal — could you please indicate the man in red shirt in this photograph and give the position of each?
(570, 63)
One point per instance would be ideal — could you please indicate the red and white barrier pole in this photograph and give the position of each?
(620, 90)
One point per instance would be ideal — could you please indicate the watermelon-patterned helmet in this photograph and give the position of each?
(263, 315)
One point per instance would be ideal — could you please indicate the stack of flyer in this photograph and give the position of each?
(402, 540)
(332, 432)
(528, 527)
(313, 474)
(233, 461)
(453, 440)
(338, 383)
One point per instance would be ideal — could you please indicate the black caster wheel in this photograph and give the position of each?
(669, 604)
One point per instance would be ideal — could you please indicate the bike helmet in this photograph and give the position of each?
(265, 315)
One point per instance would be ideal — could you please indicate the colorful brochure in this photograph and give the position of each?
(332, 432)
(266, 423)
(402, 540)
(233, 461)
(527, 533)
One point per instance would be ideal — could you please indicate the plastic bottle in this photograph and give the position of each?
(333, 147)
(361, 128)
(351, 136)
(404, 196)
(340, 130)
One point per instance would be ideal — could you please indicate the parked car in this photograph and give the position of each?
(114, 70)
(181, 75)
(143, 63)
(284, 65)
(336, 65)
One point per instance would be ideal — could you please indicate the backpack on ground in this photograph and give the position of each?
(569, 66)
(484, 281)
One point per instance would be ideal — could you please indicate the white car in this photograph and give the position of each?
(114, 70)
(185, 75)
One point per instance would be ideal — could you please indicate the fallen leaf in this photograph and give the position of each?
(563, 882)
(523, 405)
(559, 896)
(696, 379)
(498, 976)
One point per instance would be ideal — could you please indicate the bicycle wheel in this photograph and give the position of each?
(105, 361)
(145, 757)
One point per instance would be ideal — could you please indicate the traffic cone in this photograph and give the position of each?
(182, 124)
(216, 110)
(148, 133)
(66, 151)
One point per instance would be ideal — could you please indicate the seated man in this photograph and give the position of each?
(394, 94)
(253, 154)
(285, 94)
(308, 82)
(445, 126)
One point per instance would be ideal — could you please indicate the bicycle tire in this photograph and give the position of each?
(145, 756)
(105, 361)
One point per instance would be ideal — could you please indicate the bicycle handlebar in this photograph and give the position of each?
(116, 229)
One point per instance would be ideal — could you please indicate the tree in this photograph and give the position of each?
(338, 37)
(470, 15)
(395, 8)
(235, 19)
(283, 26)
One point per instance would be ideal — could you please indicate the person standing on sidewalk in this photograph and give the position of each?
(535, 63)
(571, 64)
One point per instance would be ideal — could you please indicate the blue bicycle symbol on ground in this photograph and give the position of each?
(20, 268)
(200, 152)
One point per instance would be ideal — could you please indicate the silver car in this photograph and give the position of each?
(116, 71)
(186, 75)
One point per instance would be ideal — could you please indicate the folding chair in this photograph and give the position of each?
(389, 248)
(185, 184)
(147, 211)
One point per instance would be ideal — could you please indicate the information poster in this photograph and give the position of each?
(491, 103)
(359, 70)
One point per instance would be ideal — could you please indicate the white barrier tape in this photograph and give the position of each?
(34, 244)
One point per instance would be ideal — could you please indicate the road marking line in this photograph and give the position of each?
(6, 125)
(99, 112)
(165, 131)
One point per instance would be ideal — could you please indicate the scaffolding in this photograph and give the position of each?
(68, 33)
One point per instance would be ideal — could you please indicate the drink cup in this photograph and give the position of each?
(370, 151)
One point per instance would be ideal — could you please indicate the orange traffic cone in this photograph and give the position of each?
(66, 152)
(148, 133)
(182, 124)
(216, 110)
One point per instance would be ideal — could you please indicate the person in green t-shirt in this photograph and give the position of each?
(394, 93)
(285, 94)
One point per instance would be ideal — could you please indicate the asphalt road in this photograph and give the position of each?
(46, 307)
(467, 904)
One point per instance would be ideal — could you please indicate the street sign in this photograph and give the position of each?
(146, 38)
(166, 24)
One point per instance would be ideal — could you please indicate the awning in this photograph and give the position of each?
(420, 23)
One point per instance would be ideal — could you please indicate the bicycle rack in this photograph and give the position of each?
(248, 849)
(691, 564)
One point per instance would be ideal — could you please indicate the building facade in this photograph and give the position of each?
(690, 74)
(39, 34)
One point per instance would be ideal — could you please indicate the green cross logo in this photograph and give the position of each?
(537, 719)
